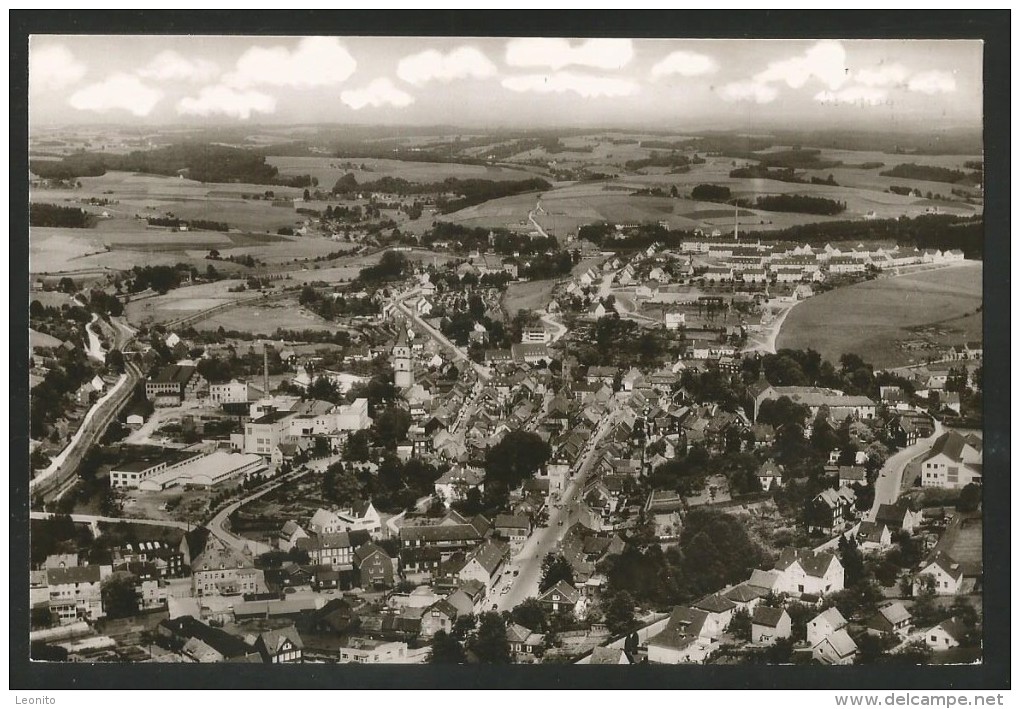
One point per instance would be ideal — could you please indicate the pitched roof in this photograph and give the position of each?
(73, 574)
(274, 640)
(745, 592)
(854, 473)
(767, 616)
(895, 612)
(564, 589)
(715, 603)
(683, 627)
(832, 616)
(950, 444)
(763, 579)
(892, 514)
(842, 643)
(946, 563)
(489, 555)
(814, 563)
(953, 628)
(608, 656)
(366, 550)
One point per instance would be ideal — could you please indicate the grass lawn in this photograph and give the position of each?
(873, 317)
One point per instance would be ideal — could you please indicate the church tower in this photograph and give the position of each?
(403, 375)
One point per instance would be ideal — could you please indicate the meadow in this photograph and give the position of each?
(329, 170)
(872, 318)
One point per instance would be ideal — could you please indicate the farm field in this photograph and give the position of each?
(266, 318)
(528, 295)
(873, 317)
(181, 302)
(329, 170)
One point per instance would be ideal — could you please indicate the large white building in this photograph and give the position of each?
(953, 461)
(205, 470)
(232, 392)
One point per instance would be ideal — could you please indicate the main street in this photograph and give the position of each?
(528, 561)
(890, 477)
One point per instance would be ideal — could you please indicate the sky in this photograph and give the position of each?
(504, 82)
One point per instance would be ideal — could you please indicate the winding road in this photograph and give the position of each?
(890, 477)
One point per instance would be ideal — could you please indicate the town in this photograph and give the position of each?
(456, 410)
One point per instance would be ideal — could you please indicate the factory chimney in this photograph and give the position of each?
(265, 368)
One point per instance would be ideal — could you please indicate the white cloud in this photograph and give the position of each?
(883, 75)
(750, 91)
(53, 67)
(317, 61)
(559, 82)
(171, 66)
(226, 101)
(558, 53)
(684, 64)
(431, 65)
(932, 82)
(380, 92)
(824, 61)
(117, 92)
(859, 95)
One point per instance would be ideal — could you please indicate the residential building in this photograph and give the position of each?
(944, 571)
(892, 618)
(75, 592)
(221, 571)
(682, 640)
(232, 392)
(801, 571)
(946, 635)
(173, 384)
(953, 461)
(560, 596)
(282, 646)
(769, 624)
(374, 565)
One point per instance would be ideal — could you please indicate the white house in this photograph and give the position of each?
(944, 570)
(802, 571)
(947, 634)
(769, 624)
(953, 461)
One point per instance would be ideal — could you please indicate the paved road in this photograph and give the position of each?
(95, 348)
(559, 329)
(439, 337)
(217, 527)
(93, 519)
(51, 482)
(890, 477)
(543, 540)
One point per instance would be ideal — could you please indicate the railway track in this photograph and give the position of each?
(58, 483)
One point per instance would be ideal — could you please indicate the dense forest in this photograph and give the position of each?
(54, 215)
(929, 231)
(802, 204)
(798, 158)
(471, 191)
(711, 193)
(782, 174)
(198, 161)
(677, 162)
(931, 173)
